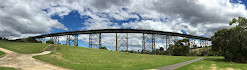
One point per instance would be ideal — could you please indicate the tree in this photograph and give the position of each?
(180, 48)
(161, 49)
(220, 40)
(240, 22)
(232, 43)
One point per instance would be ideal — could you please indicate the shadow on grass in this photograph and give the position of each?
(216, 60)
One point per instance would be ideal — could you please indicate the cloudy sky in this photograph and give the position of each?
(23, 18)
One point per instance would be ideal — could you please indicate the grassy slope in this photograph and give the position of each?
(214, 63)
(95, 59)
(23, 47)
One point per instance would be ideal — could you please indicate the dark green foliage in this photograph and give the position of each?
(195, 47)
(161, 49)
(131, 51)
(30, 40)
(26, 40)
(102, 48)
(180, 48)
(2, 38)
(232, 43)
(50, 42)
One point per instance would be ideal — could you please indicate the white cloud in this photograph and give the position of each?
(21, 18)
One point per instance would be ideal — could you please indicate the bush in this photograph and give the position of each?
(131, 51)
(50, 42)
(102, 48)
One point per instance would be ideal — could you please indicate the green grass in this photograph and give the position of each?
(26, 48)
(1, 53)
(80, 58)
(214, 63)
(7, 68)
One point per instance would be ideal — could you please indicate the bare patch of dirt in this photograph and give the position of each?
(59, 57)
(213, 67)
(25, 61)
(229, 69)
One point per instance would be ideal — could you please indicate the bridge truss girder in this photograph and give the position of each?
(42, 40)
(148, 42)
(55, 39)
(95, 40)
(122, 42)
(192, 43)
(203, 43)
(168, 41)
(72, 40)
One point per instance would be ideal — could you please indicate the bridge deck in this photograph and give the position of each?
(122, 31)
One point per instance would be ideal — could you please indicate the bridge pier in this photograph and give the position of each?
(122, 42)
(42, 40)
(95, 40)
(192, 43)
(72, 40)
(201, 43)
(153, 43)
(148, 40)
(206, 42)
(143, 43)
(168, 41)
(55, 39)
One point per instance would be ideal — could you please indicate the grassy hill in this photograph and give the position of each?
(80, 58)
(20, 47)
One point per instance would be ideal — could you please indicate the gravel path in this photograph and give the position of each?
(25, 61)
(174, 66)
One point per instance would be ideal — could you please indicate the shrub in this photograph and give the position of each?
(131, 51)
(50, 41)
(102, 48)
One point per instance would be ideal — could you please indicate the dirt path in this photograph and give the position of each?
(174, 66)
(25, 61)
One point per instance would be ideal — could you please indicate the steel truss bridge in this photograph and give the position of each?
(148, 38)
